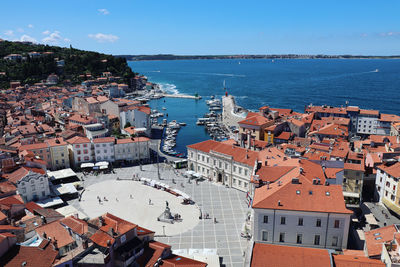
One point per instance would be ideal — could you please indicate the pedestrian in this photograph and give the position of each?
(215, 220)
(130, 196)
(149, 201)
(116, 199)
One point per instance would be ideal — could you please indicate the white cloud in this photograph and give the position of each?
(30, 26)
(54, 37)
(20, 30)
(103, 38)
(390, 34)
(27, 38)
(103, 11)
(9, 33)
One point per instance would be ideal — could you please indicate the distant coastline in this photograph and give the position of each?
(272, 57)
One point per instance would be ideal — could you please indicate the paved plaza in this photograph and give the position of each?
(225, 204)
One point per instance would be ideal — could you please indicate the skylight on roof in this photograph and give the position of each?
(378, 238)
(298, 192)
(377, 234)
(178, 259)
(327, 193)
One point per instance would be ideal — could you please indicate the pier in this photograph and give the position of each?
(181, 96)
(230, 117)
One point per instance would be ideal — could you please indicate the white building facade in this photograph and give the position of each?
(104, 149)
(214, 160)
(34, 186)
(132, 150)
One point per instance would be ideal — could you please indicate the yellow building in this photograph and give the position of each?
(59, 153)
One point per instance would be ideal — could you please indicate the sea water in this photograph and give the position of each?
(282, 83)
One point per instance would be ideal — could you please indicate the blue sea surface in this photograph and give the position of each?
(282, 83)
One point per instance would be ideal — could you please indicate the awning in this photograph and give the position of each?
(103, 167)
(391, 205)
(197, 175)
(60, 174)
(50, 202)
(351, 194)
(87, 165)
(63, 189)
(102, 163)
(190, 173)
(370, 218)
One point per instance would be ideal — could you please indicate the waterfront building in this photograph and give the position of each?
(136, 116)
(254, 123)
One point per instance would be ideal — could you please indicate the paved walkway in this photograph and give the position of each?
(227, 205)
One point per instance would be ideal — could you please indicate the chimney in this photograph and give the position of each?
(301, 170)
(44, 235)
(55, 244)
(108, 243)
(268, 184)
(279, 203)
(102, 222)
(85, 244)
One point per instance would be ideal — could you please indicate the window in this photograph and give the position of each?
(220, 164)
(104, 145)
(336, 224)
(335, 241)
(344, 180)
(202, 158)
(208, 159)
(300, 222)
(85, 151)
(234, 168)
(265, 219)
(84, 145)
(245, 185)
(97, 145)
(23, 190)
(392, 197)
(240, 170)
(226, 166)
(299, 239)
(318, 224)
(79, 152)
(283, 220)
(316, 240)
(264, 235)
(234, 181)
(240, 183)
(62, 154)
(105, 150)
(79, 158)
(245, 172)
(191, 154)
(97, 151)
(357, 181)
(77, 146)
(43, 193)
(282, 237)
(63, 161)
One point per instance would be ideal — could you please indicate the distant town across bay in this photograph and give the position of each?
(278, 56)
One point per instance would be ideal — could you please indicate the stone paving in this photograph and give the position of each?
(225, 204)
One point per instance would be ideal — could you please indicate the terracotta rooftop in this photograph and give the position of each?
(57, 232)
(277, 255)
(356, 261)
(375, 238)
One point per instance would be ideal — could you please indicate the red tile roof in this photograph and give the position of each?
(78, 140)
(277, 255)
(17, 175)
(42, 256)
(356, 261)
(239, 154)
(57, 232)
(375, 238)
(104, 140)
(254, 120)
(273, 173)
(301, 197)
(393, 170)
(77, 225)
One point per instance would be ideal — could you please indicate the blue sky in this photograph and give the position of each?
(207, 27)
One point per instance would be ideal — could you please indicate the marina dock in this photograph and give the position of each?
(181, 96)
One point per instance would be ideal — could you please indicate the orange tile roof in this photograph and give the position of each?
(301, 197)
(375, 238)
(57, 232)
(254, 120)
(175, 261)
(77, 225)
(42, 256)
(277, 255)
(369, 112)
(78, 140)
(104, 140)
(56, 142)
(17, 175)
(356, 261)
(273, 173)
(33, 146)
(239, 154)
(393, 170)
(132, 140)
